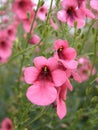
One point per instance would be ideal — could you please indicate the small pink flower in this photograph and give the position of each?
(85, 68)
(42, 12)
(21, 7)
(7, 124)
(94, 4)
(5, 45)
(45, 77)
(65, 54)
(54, 25)
(34, 39)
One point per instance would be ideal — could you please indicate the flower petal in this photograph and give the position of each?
(59, 77)
(30, 74)
(61, 109)
(68, 84)
(70, 53)
(40, 61)
(69, 64)
(41, 95)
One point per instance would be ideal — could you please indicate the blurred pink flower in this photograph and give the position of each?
(42, 12)
(71, 13)
(7, 124)
(21, 7)
(34, 39)
(54, 25)
(85, 68)
(27, 22)
(5, 45)
(11, 32)
(94, 4)
(45, 77)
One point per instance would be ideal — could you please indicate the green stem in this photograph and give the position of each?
(87, 34)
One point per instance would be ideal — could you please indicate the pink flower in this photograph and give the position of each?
(42, 12)
(73, 74)
(94, 4)
(21, 7)
(7, 124)
(45, 77)
(61, 106)
(81, 3)
(85, 68)
(71, 13)
(11, 32)
(27, 22)
(65, 54)
(34, 39)
(54, 25)
(5, 45)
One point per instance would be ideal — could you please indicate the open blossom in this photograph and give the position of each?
(94, 4)
(74, 11)
(7, 124)
(85, 68)
(45, 76)
(65, 55)
(71, 13)
(5, 45)
(21, 7)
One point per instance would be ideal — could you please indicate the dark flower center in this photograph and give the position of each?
(9, 31)
(42, 10)
(3, 44)
(45, 74)
(21, 4)
(71, 12)
(60, 53)
(8, 126)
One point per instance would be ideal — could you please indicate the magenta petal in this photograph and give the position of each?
(61, 15)
(41, 95)
(77, 77)
(70, 64)
(68, 84)
(30, 74)
(61, 109)
(40, 62)
(59, 77)
(52, 63)
(70, 53)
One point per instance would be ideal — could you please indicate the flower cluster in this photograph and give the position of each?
(50, 77)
